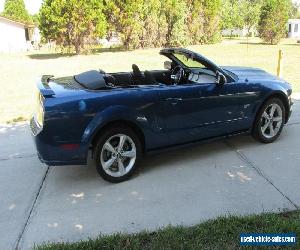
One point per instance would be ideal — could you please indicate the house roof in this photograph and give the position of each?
(15, 22)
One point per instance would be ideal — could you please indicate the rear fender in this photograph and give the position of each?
(111, 114)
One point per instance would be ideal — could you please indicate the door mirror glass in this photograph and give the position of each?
(168, 65)
(220, 78)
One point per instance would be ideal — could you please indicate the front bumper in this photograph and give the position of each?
(55, 153)
(290, 111)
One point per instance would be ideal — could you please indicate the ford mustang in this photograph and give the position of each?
(119, 117)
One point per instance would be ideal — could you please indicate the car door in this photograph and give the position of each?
(198, 111)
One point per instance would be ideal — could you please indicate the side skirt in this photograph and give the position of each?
(195, 143)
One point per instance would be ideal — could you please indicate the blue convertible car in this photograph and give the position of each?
(121, 116)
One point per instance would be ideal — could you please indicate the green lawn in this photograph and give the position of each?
(19, 72)
(222, 233)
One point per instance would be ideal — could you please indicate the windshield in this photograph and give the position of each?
(234, 76)
(188, 62)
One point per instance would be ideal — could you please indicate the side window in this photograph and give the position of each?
(290, 27)
(296, 27)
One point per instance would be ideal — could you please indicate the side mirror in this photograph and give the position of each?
(220, 78)
(168, 65)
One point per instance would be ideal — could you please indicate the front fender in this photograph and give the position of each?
(284, 96)
(261, 92)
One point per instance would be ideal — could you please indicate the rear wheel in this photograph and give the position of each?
(269, 121)
(117, 154)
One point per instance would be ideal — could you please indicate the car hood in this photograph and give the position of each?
(251, 74)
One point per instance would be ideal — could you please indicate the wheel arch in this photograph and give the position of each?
(118, 123)
(281, 96)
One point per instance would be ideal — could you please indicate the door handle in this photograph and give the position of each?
(174, 100)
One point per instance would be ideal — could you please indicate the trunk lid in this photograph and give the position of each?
(63, 86)
(251, 74)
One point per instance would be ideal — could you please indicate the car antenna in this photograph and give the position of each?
(247, 53)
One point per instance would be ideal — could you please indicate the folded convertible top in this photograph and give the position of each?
(92, 79)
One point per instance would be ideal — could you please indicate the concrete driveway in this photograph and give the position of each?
(236, 176)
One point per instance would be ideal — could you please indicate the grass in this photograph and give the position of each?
(19, 72)
(222, 233)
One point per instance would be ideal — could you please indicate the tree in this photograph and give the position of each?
(175, 12)
(72, 22)
(294, 11)
(139, 23)
(15, 10)
(148, 23)
(211, 20)
(239, 14)
(231, 15)
(251, 10)
(154, 26)
(195, 21)
(273, 20)
(124, 17)
(35, 19)
(202, 21)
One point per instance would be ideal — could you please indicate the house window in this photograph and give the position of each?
(27, 34)
(296, 27)
(290, 27)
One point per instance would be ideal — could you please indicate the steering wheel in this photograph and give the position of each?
(177, 74)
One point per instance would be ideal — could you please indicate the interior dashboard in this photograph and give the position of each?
(202, 76)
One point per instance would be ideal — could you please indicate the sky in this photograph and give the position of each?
(34, 5)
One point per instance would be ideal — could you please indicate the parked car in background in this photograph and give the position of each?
(122, 116)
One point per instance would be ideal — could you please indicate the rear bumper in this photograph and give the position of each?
(56, 153)
(61, 162)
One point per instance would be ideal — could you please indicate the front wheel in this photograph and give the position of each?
(117, 154)
(269, 121)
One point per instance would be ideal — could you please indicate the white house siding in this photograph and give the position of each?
(234, 32)
(294, 28)
(12, 36)
(238, 32)
(36, 36)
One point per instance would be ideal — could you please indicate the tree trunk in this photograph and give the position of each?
(77, 48)
(77, 45)
(248, 31)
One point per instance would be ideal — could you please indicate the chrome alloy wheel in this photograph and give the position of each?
(118, 155)
(271, 120)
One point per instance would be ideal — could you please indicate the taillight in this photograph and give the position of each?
(39, 111)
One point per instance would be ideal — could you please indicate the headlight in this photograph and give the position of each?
(39, 110)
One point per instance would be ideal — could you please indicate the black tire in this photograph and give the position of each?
(260, 121)
(98, 150)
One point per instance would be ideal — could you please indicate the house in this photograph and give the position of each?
(35, 35)
(294, 28)
(239, 32)
(113, 40)
(16, 36)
